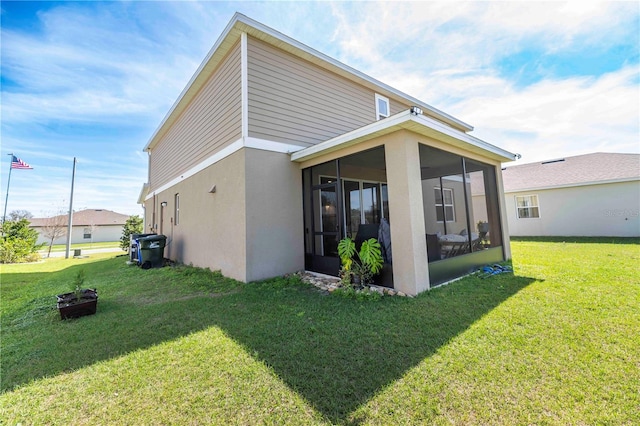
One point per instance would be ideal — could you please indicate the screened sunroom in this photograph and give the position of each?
(440, 195)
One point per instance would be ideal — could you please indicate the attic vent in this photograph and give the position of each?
(560, 160)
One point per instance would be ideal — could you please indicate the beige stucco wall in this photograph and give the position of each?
(274, 216)
(251, 228)
(211, 231)
(595, 210)
(410, 269)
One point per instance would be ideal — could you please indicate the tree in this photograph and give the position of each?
(18, 243)
(133, 225)
(55, 227)
(16, 215)
(92, 228)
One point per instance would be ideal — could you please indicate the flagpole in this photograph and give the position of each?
(6, 200)
(73, 177)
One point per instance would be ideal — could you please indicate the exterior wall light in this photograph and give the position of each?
(163, 204)
(416, 111)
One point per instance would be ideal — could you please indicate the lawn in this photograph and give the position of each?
(554, 343)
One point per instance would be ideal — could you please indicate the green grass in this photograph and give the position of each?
(63, 247)
(555, 343)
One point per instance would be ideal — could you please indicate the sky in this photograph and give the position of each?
(93, 80)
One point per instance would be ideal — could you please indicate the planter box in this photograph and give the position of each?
(70, 307)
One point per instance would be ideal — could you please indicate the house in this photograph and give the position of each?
(88, 226)
(587, 195)
(274, 152)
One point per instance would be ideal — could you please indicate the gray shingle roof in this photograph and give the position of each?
(89, 217)
(599, 167)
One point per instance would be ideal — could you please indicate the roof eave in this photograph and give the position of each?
(405, 120)
(143, 193)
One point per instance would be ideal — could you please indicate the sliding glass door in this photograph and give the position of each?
(340, 196)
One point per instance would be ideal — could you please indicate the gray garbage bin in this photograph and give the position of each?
(133, 246)
(151, 250)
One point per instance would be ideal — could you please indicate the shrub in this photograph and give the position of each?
(18, 242)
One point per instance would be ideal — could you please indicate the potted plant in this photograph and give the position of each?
(483, 227)
(360, 265)
(80, 301)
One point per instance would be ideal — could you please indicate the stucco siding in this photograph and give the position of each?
(294, 101)
(211, 230)
(275, 229)
(212, 121)
(593, 210)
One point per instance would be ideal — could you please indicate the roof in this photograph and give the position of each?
(405, 120)
(588, 169)
(87, 217)
(232, 33)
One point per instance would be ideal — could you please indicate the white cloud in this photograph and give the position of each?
(91, 65)
(556, 118)
(448, 54)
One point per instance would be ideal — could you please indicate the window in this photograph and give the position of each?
(444, 209)
(177, 206)
(87, 233)
(382, 107)
(527, 206)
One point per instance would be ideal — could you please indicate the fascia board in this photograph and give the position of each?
(455, 137)
(404, 120)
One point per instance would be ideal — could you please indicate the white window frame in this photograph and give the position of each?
(380, 115)
(452, 205)
(535, 205)
(176, 200)
(85, 233)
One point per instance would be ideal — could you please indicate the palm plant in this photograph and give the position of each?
(363, 264)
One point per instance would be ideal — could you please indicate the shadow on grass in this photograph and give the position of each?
(338, 353)
(335, 352)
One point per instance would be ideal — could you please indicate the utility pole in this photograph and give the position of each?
(73, 177)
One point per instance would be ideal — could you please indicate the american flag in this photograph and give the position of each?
(17, 163)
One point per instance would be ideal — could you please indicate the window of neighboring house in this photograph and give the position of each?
(444, 204)
(527, 206)
(87, 233)
(382, 107)
(177, 206)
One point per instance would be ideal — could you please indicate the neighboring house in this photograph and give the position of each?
(586, 195)
(274, 151)
(88, 226)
